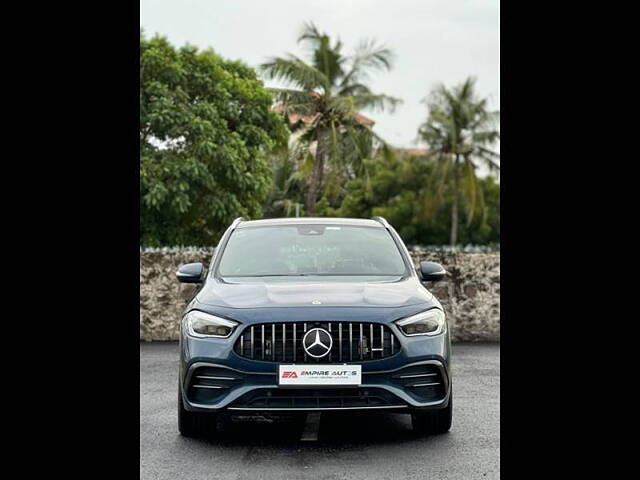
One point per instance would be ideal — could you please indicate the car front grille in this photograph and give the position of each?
(282, 342)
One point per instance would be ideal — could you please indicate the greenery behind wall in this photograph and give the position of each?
(206, 135)
(216, 144)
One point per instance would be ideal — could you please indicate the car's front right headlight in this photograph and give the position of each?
(201, 325)
(431, 322)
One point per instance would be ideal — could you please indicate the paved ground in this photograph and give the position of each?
(350, 447)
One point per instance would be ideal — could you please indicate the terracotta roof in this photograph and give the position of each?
(414, 151)
(364, 120)
(307, 119)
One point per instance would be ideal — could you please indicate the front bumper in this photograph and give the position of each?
(214, 378)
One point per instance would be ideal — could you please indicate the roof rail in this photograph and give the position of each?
(382, 220)
(236, 222)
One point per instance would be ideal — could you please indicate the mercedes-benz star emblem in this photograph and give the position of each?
(317, 342)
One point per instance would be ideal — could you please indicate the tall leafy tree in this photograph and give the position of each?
(206, 130)
(395, 190)
(460, 131)
(323, 97)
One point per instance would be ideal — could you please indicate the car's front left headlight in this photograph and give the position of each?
(431, 322)
(200, 324)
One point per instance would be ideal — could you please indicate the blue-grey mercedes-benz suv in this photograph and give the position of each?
(313, 314)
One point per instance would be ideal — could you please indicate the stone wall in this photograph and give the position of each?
(470, 294)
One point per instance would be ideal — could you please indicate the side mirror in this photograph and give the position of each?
(190, 273)
(431, 271)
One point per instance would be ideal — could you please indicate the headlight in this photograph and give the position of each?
(431, 322)
(200, 324)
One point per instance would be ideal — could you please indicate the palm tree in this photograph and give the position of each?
(460, 132)
(322, 102)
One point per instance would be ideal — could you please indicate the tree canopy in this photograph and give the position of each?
(460, 130)
(206, 133)
(214, 145)
(324, 97)
(396, 190)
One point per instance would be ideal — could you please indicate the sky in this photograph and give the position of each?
(434, 41)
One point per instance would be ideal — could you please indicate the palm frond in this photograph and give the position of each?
(295, 71)
(376, 102)
(342, 106)
(309, 32)
(489, 158)
(294, 101)
(368, 57)
(352, 89)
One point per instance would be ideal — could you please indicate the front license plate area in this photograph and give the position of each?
(319, 375)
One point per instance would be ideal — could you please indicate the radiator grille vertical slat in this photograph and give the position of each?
(273, 341)
(295, 346)
(331, 345)
(392, 337)
(252, 349)
(340, 341)
(262, 342)
(284, 342)
(381, 341)
(371, 339)
(361, 344)
(305, 330)
(242, 345)
(350, 342)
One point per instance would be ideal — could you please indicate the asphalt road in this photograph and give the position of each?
(352, 446)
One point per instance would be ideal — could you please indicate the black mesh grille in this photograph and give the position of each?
(282, 342)
(317, 398)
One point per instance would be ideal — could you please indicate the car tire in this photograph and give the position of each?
(434, 421)
(195, 424)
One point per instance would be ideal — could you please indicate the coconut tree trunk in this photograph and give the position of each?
(315, 183)
(453, 239)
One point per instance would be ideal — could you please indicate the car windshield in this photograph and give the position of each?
(300, 250)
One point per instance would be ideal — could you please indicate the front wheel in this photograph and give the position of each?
(434, 421)
(195, 424)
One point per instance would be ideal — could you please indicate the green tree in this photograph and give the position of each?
(395, 189)
(206, 130)
(286, 196)
(460, 130)
(329, 91)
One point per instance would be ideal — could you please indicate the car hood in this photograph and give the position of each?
(234, 293)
